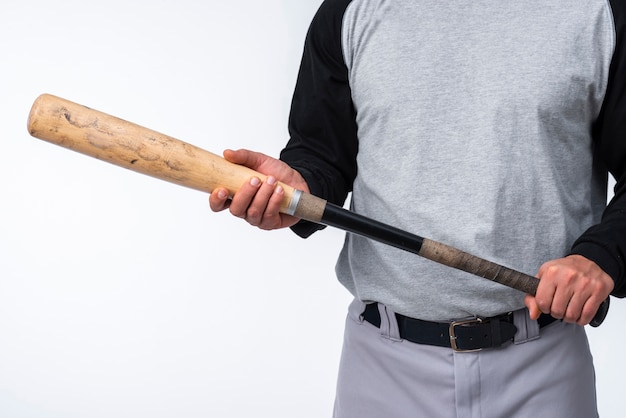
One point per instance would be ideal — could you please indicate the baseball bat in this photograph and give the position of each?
(145, 151)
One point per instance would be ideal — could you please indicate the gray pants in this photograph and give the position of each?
(543, 373)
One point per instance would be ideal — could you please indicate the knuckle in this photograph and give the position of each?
(265, 225)
(600, 287)
(218, 206)
(571, 315)
(254, 214)
(235, 211)
(569, 280)
(270, 222)
(558, 313)
(543, 304)
(587, 315)
(550, 270)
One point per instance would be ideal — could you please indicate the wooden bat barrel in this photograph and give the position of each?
(136, 148)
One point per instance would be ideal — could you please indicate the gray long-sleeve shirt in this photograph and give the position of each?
(485, 125)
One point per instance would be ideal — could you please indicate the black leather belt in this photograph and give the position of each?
(465, 335)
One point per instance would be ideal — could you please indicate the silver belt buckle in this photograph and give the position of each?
(452, 333)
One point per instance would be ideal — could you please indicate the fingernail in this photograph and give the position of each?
(278, 190)
(222, 194)
(255, 181)
(271, 180)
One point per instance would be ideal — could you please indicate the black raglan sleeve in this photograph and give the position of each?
(323, 135)
(605, 243)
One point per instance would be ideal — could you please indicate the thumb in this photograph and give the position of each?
(532, 306)
(244, 157)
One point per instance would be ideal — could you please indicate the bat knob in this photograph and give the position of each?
(601, 313)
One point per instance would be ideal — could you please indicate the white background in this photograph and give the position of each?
(124, 296)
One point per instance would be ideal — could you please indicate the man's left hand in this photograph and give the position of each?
(571, 289)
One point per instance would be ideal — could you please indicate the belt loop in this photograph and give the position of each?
(527, 329)
(388, 323)
(355, 309)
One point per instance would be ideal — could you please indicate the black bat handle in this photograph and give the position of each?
(461, 260)
(318, 210)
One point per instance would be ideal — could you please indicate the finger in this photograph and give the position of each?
(574, 309)
(544, 296)
(256, 211)
(272, 215)
(244, 196)
(561, 301)
(218, 200)
(589, 310)
(546, 291)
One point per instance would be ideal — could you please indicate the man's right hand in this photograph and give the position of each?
(258, 202)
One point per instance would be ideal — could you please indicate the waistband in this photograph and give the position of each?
(464, 335)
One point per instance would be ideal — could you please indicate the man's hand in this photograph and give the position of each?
(571, 289)
(258, 202)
